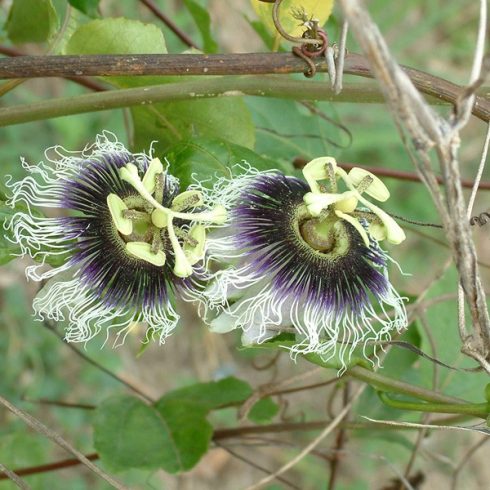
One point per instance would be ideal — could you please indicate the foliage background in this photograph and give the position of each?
(436, 36)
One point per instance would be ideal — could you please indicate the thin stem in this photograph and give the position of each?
(86, 358)
(57, 439)
(184, 37)
(385, 383)
(192, 90)
(14, 477)
(480, 410)
(253, 464)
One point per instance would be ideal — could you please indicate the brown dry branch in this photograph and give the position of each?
(428, 131)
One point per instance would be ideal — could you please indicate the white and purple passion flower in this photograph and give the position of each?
(306, 259)
(133, 241)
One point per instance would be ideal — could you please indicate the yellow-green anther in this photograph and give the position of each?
(116, 208)
(187, 200)
(355, 223)
(159, 218)
(195, 253)
(318, 169)
(376, 189)
(149, 179)
(142, 250)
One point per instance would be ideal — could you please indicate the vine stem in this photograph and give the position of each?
(194, 90)
(385, 383)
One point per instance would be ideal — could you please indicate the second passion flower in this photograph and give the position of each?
(307, 260)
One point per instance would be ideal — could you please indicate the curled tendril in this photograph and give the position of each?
(480, 219)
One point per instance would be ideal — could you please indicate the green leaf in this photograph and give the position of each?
(31, 21)
(203, 21)
(166, 122)
(116, 36)
(263, 411)
(211, 158)
(173, 435)
(286, 129)
(88, 7)
(187, 434)
(212, 395)
(130, 434)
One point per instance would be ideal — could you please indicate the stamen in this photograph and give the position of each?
(185, 236)
(117, 208)
(143, 251)
(332, 178)
(163, 217)
(194, 246)
(159, 186)
(149, 179)
(375, 189)
(187, 200)
(364, 184)
(156, 242)
(317, 170)
(394, 232)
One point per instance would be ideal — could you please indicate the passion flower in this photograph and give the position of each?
(130, 239)
(307, 260)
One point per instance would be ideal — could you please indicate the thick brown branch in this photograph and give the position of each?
(83, 81)
(219, 64)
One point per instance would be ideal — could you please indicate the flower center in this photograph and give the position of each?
(318, 234)
(148, 227)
